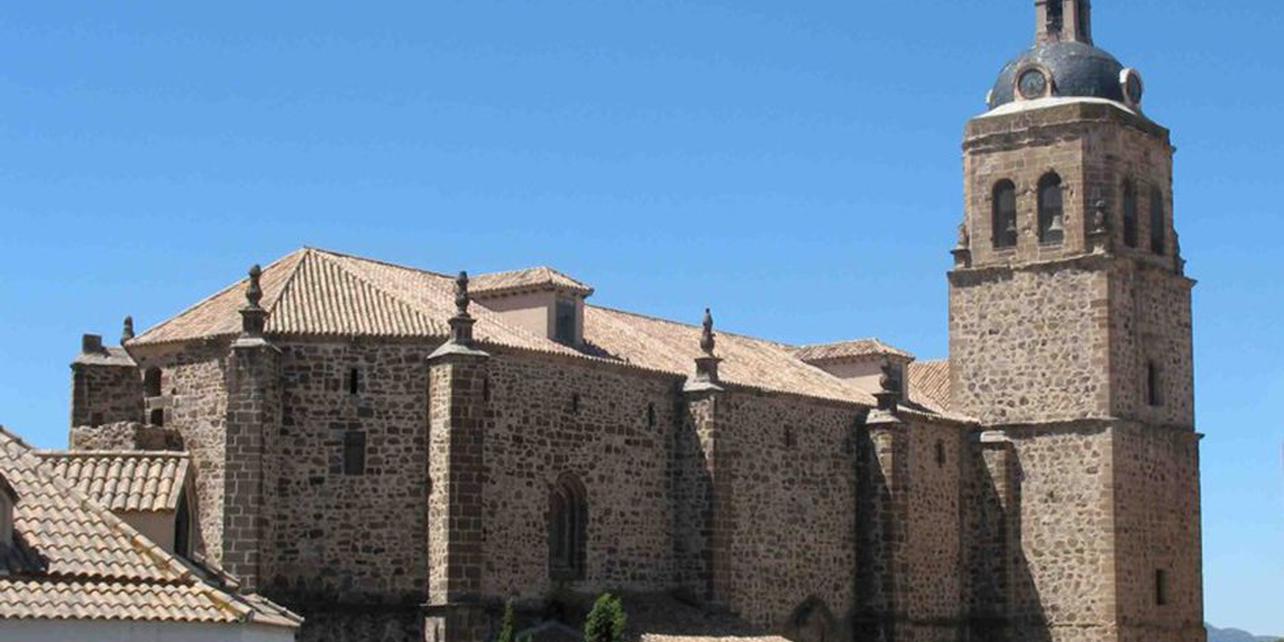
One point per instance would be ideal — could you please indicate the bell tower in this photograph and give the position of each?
(1071, 343)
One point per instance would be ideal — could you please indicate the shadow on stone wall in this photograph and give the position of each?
(1004, 605)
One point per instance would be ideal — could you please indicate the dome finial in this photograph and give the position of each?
(1063, 21)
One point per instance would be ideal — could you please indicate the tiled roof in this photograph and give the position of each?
(123, 481)
(537, 277)
(849, 350)
(929, 384)
(313, 292)
(672, 347)
(107, 357)
(72, 558)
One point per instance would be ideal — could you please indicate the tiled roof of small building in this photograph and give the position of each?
(107, 357)
(123, 481)
(849, 350)
(73, 559)
(929, 384)
(531, 278)
(668, 346)
(313, 292)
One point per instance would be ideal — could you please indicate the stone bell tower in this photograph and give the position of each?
(1070, 340)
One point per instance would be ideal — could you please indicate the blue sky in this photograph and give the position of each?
(794, 165)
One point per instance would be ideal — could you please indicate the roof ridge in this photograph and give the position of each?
(401, 266)
(50, 452)
(692, 326)
(396, 298)
(213, 296)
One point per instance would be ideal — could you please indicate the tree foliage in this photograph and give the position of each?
(606, 621)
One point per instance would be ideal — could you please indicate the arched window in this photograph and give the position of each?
(183, 528)
(152, 382)
(1157, 231)
(1051, 217)
(1004, 214)
(567, 529)
(1130, 213)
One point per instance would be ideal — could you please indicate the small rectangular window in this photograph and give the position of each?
(1153, 396)
(354, 453)
(1161, 587)
(564, 331)
(354, 381)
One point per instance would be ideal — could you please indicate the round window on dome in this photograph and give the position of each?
(1133, 88)
(1032, 84)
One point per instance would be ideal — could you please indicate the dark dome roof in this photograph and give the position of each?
(1078, 69)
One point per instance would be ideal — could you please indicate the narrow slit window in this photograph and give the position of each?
(650, 415)
(354, 381)
(1161, 587)
(1004, 215)
(940, 454)
(354, 452)
(1153, 381)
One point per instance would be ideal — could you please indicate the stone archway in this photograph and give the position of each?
(812, 621)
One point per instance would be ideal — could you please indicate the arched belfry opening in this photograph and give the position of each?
(568, 513)
(1064, 21)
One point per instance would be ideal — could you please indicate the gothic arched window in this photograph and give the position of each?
(1130, 213)
(1157, 221)
(567, 529)
(1051, 217)
(1004, 214)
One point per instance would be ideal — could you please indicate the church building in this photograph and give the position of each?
(394, 453)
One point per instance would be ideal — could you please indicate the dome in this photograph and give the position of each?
(1076, 69)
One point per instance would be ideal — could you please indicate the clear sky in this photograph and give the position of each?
(795, 165)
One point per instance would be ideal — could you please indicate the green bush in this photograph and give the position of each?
(507, 626)
(606, 621)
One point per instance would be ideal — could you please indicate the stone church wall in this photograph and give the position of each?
(1151, 316)
(1063, 583)
(1157, 521)
(553, 417)
(193, 384)
(932, 599)
(341, 537)
(789, 466)
(1028, 345)
(103, 394)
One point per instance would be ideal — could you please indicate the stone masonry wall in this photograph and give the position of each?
(931, 595)
(1158, 529)
(1151, 322)
(193, 378)
(103, 394)
(553, 417)
(351, 538)
(1029, 345)
(790, 466)
(1063, 585)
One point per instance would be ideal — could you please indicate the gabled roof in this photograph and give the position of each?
(668, 346)
(123, 481)
(318, 293)
(73, 559)
(849, 350)
(929, 384)
(498, 283)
